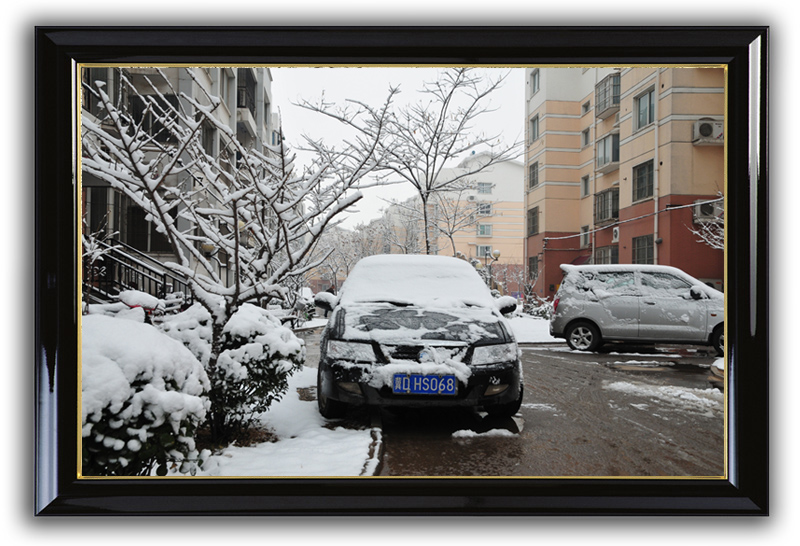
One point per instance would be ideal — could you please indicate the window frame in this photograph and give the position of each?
(533, 175)
(532, 219)
(586, 189)
(533, 129)
(639, 194)
(647, 247)
(650, 112)
(484, 230)
(535, 81)
(483, 186)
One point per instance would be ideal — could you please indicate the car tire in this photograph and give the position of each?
(329, 409)
(583, 336)
(718, 340)
(508, 409)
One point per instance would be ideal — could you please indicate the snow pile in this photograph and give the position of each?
(493, 432)
(304, 446)
(142, 396)
(693, 399)
(135, 298)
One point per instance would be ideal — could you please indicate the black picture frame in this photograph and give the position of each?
(743, 50)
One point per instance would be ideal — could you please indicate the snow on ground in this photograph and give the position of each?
(473, 434)
(702, 400)
(305, 447)
(529, 329)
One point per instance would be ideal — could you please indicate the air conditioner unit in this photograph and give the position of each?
(615, 234)
(471, 198)
(705, 211)
(708, 133)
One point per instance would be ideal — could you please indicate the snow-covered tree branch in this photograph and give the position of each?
(240, 213)
(421, 139)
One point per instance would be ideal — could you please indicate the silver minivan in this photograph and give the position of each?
(596, 304)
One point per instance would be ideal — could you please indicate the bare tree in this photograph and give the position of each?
(259, 216)
(421, 139)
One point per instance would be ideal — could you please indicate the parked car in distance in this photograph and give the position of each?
(417, 331)
(596, 304)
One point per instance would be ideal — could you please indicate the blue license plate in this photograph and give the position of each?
(424, 384)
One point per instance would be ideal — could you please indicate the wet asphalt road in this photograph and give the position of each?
(630, 412)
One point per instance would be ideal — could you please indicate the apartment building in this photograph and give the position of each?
(479, 218)
(621, 166)
(246, 109)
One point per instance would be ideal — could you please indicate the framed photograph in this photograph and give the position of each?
(186, 216)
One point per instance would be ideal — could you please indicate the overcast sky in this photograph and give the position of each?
(371, 85)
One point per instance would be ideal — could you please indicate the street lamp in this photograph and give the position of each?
(494, 256)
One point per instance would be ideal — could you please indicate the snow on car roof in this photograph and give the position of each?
(421, 280)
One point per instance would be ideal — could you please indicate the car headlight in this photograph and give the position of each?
(347, 350)
(493, 354)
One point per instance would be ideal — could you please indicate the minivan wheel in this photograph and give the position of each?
(583, 336)
(329, 409)
(718, 340)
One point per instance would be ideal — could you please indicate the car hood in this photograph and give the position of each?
(391, 325)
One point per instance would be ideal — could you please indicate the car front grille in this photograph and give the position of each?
(411, 352)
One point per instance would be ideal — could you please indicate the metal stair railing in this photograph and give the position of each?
(127, 268)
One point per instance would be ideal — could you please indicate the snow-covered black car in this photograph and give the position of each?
(417, 331)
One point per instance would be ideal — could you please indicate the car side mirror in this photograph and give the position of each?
(506, 304)
(325, 301)
(696, 293)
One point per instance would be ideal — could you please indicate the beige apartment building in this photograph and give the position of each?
(623, 165)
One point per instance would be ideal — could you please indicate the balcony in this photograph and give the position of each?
(606, 206)
(607, 155)
(607, 96)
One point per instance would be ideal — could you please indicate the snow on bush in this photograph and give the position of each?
(142, 397)
(256, 357)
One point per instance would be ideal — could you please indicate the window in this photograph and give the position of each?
(533, 175)
(585, 186)
(484, 209)
(645, 108)
(606, 205)
(608, 151)
(643, 250)
(484, 187)
(535, 82)
(607, 96)
(484, 230)
(643, 181)
(484, 251)
(224, 85)
(621, 282)
(141, 234)
(533, 221)
(586, 107)
(533, 267)
(585, 237)
(666, 284)
(585, 138)
(533, 135)
(606, 255)
(208, 135)
(150, 111)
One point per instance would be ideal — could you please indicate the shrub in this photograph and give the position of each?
(256, 357)
(142, 399)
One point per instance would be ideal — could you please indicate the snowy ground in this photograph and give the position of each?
(305, 446)
(529, 329)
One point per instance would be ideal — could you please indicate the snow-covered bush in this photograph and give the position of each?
(256, 357)
(143, 396)
(538, 307)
